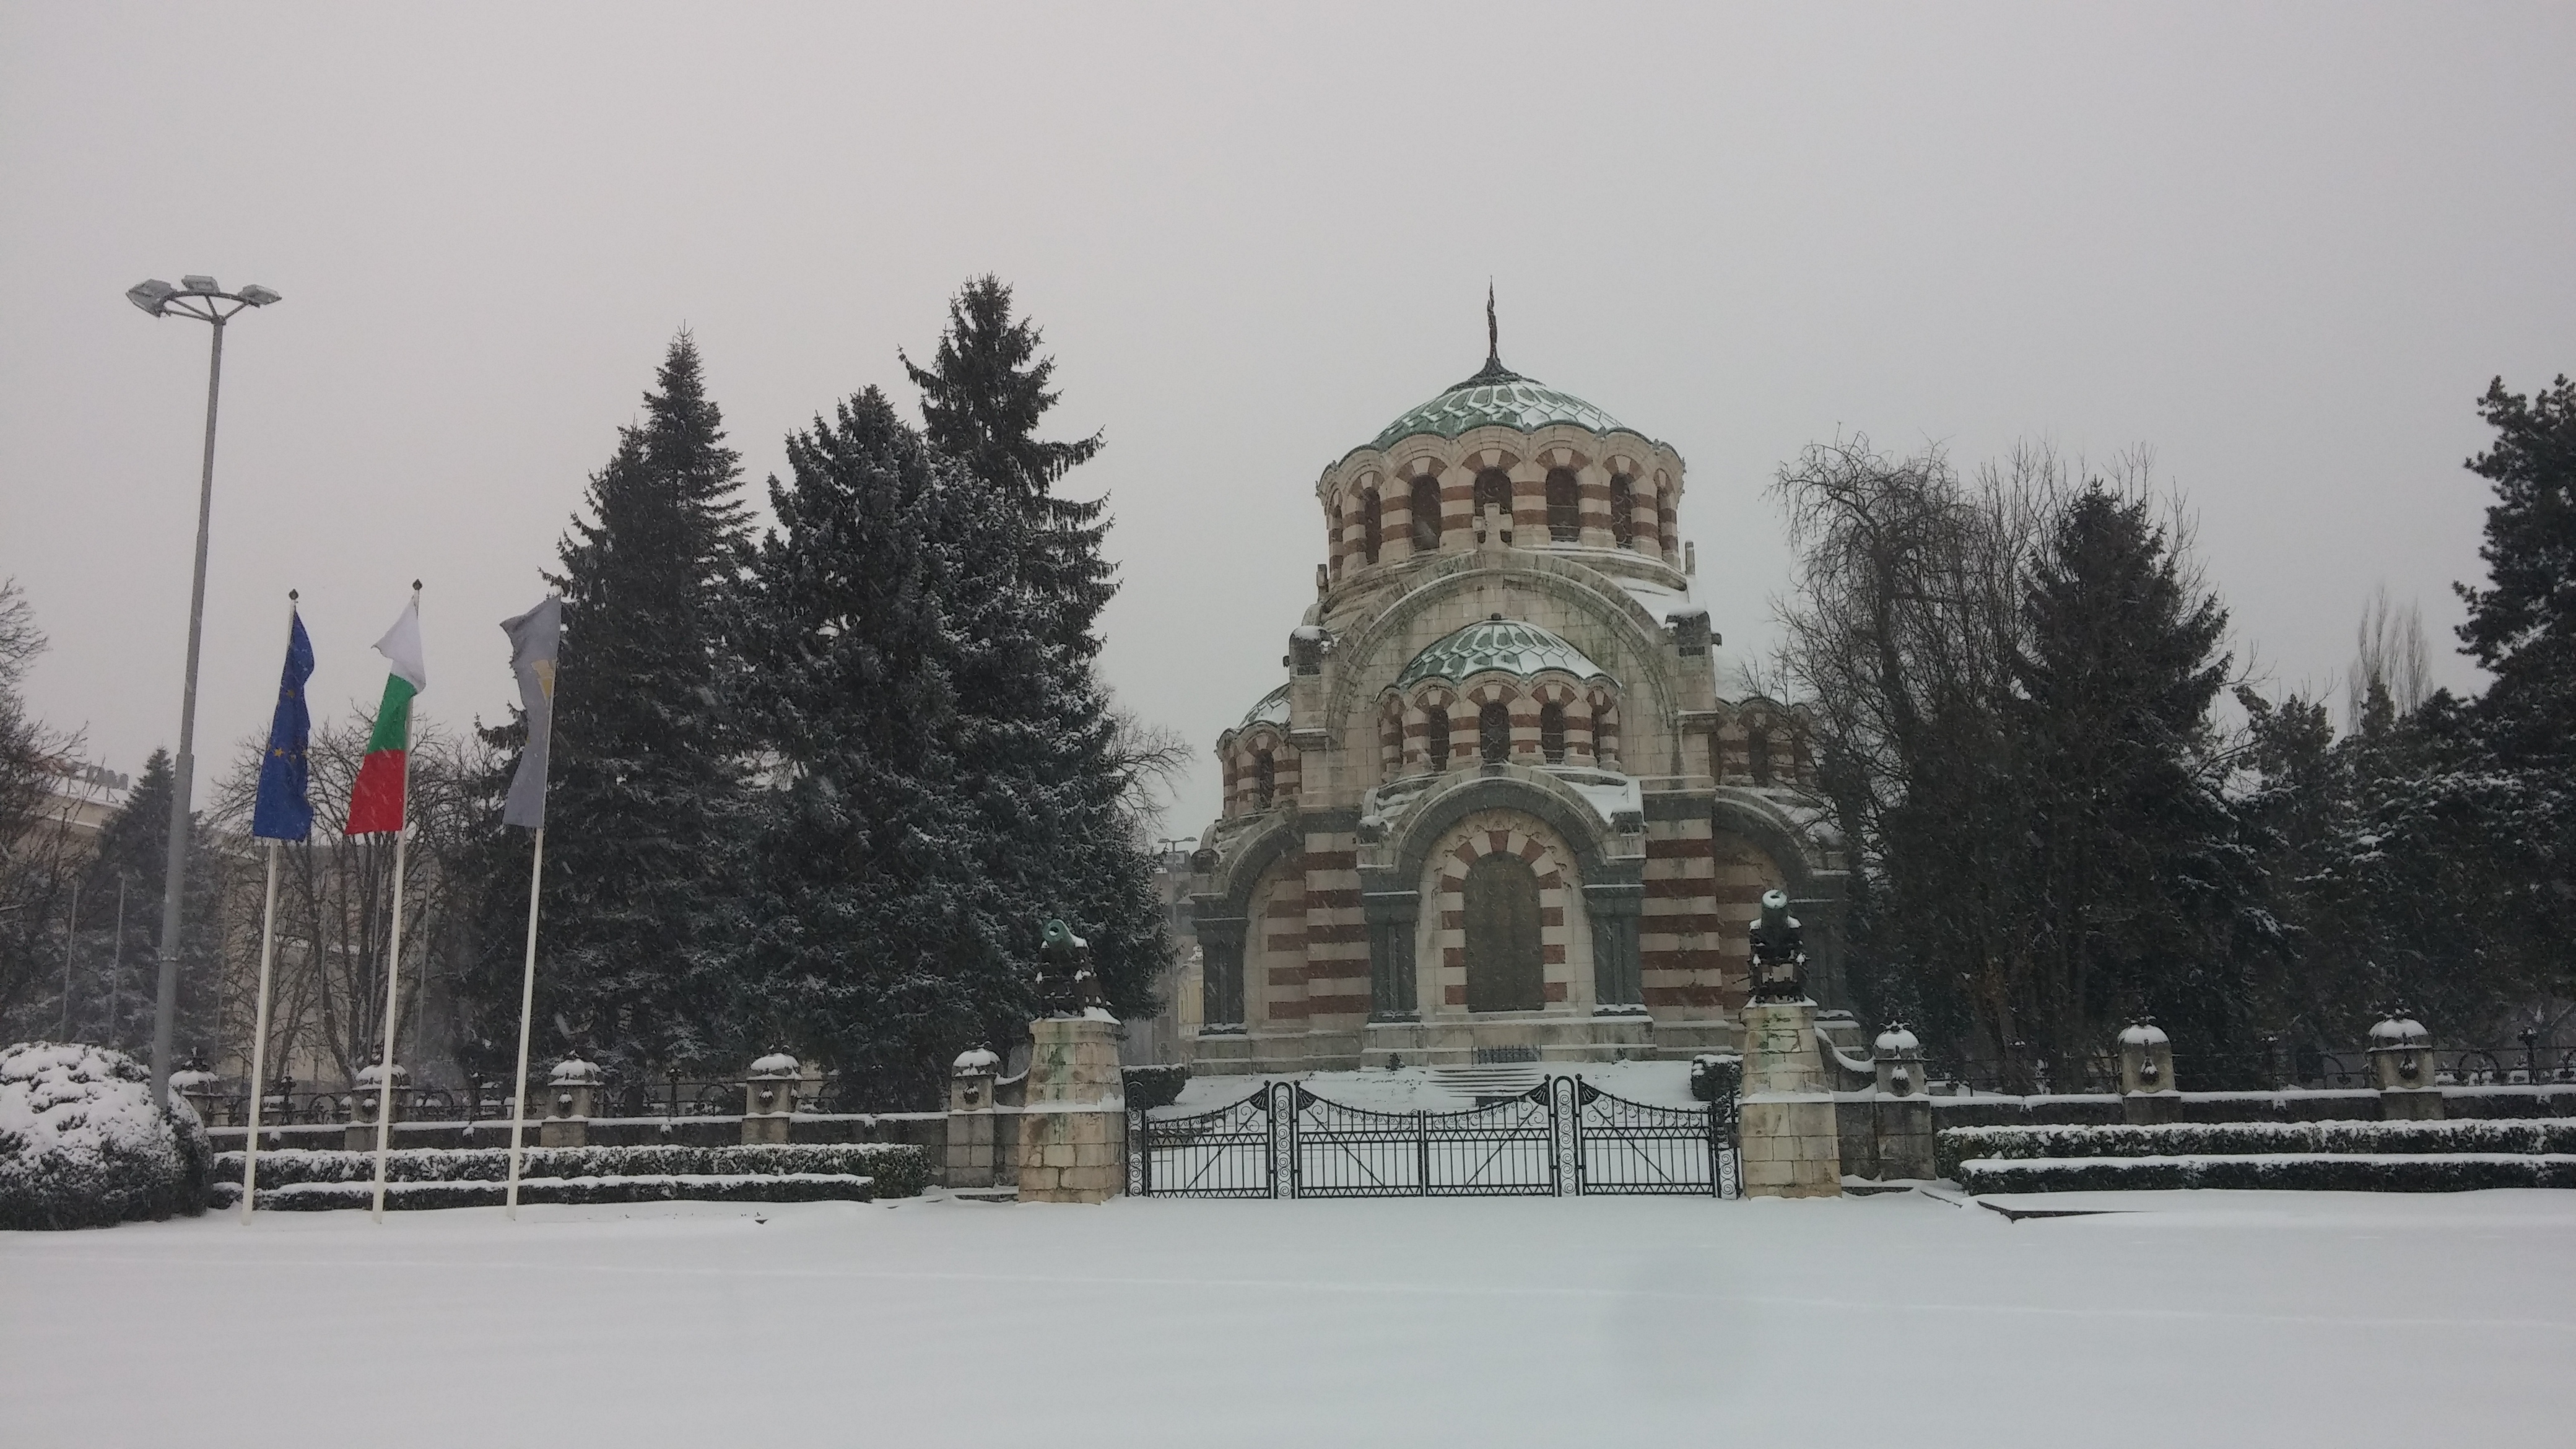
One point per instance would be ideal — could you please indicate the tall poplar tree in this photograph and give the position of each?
(644, 819)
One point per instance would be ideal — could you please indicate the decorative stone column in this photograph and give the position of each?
(1790, 1142)
(973, 1127)
(1392, 916)
(1073, 1122)
(571, 1090)
(2147, 1090)
(200, 1089)
(769, 1097)
(2401, 1062)
(1617, 975)
(360, 1135)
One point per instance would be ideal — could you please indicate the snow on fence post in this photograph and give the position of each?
(1902, 1115)
(974, 1140)
(2401, 1061)
(198, 1086)
(364, 1094)
(571, 1090)
(769, 1097)
(2148, 1093)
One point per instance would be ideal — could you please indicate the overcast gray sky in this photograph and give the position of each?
(2284, 245)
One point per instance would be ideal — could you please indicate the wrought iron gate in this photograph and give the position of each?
(1562, 1136)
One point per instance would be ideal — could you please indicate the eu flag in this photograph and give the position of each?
(284, 812)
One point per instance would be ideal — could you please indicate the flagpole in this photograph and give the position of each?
(527, 1009)
(259, 1036)
(267, 958)
(393, 967)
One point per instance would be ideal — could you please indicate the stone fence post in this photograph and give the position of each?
(1903, 1112)
(360, 1134)
(974, 1135)
(2401, 1062)
(769, 1097)
(2147, 1090)
(571, 1090)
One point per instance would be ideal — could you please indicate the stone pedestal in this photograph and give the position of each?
(769, 1097)
(974, 1155)
(360, 1134)
(1791, 1145)
(1073, 1121)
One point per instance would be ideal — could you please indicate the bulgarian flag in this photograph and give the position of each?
(376, 804)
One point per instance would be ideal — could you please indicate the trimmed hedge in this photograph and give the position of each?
(1152, 1087)
(1957, 1145)
(2310, 1172)
(476, 1192)
(898, 1169)
(81, 1145)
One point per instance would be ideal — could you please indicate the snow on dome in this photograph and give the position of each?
(1518, 649)
(776, 1064)
(192, 1079)
(1273, 709)
(2144, 1033)
(369, 1074)
(976, 1061)
(1497, 397)
(1898, 1039)
(2398, 1031)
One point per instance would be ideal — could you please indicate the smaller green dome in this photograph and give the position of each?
(1518, 649)
(1273, 709)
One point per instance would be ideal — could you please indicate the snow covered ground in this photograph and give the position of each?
(2186, 1319)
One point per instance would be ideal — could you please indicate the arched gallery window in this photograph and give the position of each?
(1265, 780)
(1494, 733)
(1564, 506)
(1504, 962)
(1426, 513)
(1370, 535)
(1494, 490)
(1623, 511)
(1435, 738)
(1551, 732)
(1757, 754)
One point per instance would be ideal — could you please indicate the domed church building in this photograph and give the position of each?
(1500, 810)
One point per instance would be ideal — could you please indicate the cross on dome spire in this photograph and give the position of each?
(1493, 331)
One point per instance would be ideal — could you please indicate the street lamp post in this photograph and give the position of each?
(203, 299)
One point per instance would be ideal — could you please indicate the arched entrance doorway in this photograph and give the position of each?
(1504, 970)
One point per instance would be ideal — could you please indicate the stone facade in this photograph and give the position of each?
(1073, 1122)
(1503, 660)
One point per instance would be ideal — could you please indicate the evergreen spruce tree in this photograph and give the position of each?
(881, 937)
(113, 996)
(2139, 878)
(1038, 746)
(645, 814)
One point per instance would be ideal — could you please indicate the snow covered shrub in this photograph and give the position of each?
(2201, 1139)
(1152, 1087)
(898, 1169)
(2309, 1172)
(476, 1192)
(81, 1145)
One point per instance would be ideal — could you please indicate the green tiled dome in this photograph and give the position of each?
(1515, 648)
(1498, 395)
(1273, 709)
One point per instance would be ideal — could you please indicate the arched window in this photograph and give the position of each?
(1435, 738)
(1494, 490)
(1265, 780)
(1334, 546)
(1504, 960)
(1426, 513)
(1757, 754)
(1551, 732)
(1623, 511)
(1494, 732)
(1370, 536)
(1564, 506)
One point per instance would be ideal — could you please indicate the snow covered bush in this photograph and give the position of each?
(1958, 1145)
(896, 1169)
(81, 1145)
(2309, 1172)
(1152, 1087)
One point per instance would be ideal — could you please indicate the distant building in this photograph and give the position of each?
(1499, 809)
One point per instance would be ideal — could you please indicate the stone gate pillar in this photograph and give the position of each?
(1073, 1121)
(1790, 1142)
